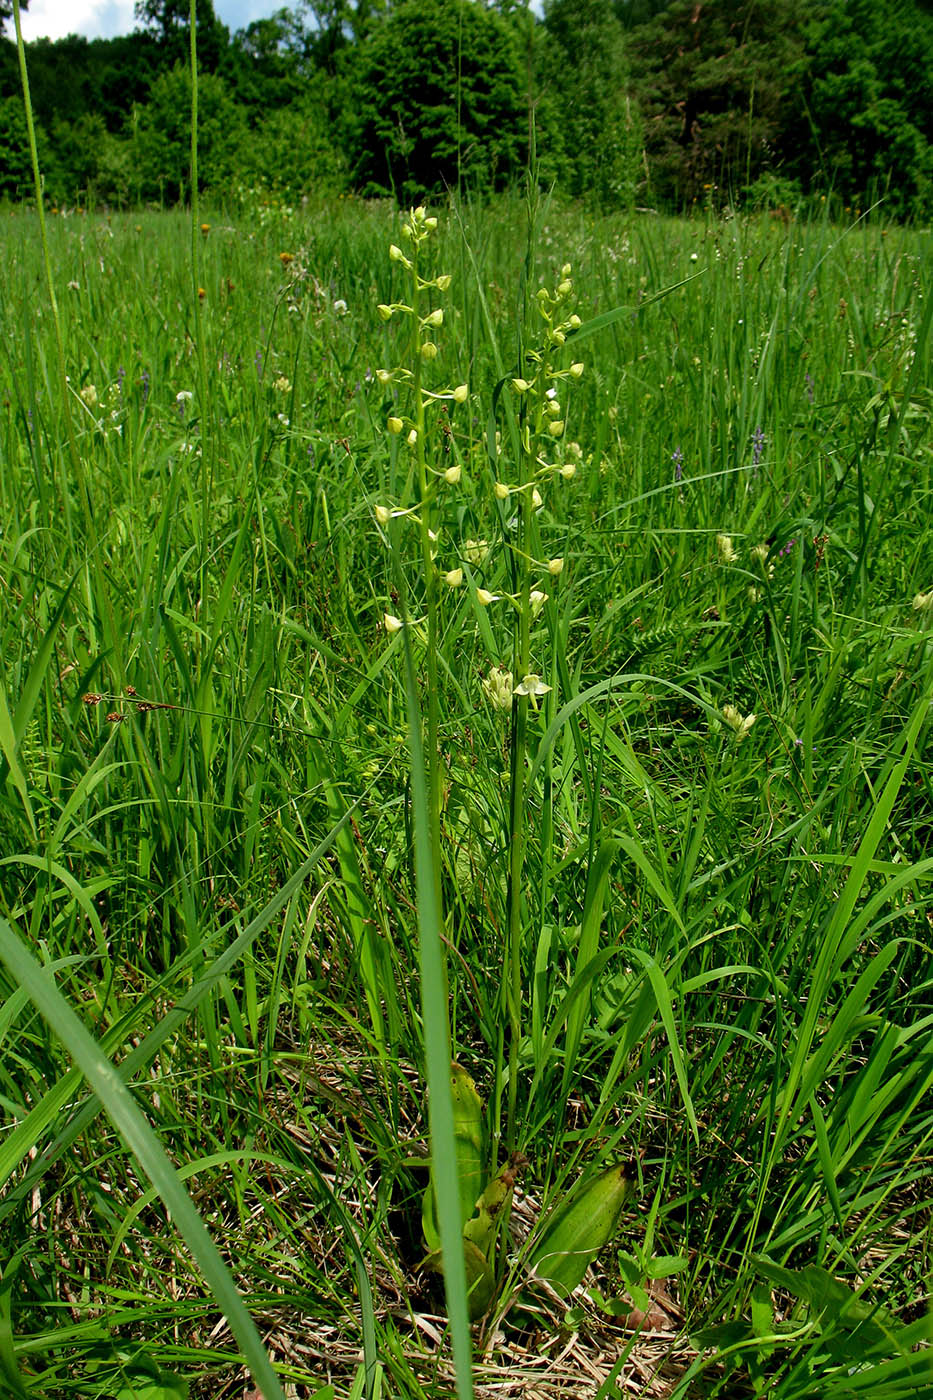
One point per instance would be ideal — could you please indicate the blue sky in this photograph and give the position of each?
(104, 18)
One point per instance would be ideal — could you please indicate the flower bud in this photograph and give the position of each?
(521, 386)
(741, 724)
(727, 554)
(396, 255)
(453, 578)
(565, 288)
(395, 425)
(568, 470)
(577, 369)
(434, 318)
(384, 311)
(574, 321)
(412, 437)
(484, 596)
(430, 223)
(476, 551)
(384, 376)
(498, 688)
(461, 393)
(429, 350)
(442, 283)
(392, 624)
(501, 491)
(552, 409)
(555, 566)
(536, 501)
(537, 600)
(566, 270)
(452, 474)
(558, 337)
(556, 427)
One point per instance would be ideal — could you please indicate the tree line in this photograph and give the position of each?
(628, 102)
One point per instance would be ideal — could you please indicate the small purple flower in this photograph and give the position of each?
(144, 380)
(758, 445)
(788, 547)
(677, 457)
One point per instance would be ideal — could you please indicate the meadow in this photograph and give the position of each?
(543, 685)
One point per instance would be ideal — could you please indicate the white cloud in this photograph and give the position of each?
(53, 19)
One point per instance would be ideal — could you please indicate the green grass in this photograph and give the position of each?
(724, 943)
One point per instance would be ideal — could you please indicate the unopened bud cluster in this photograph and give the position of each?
(425, 318)
(542, 424)
(544, 415)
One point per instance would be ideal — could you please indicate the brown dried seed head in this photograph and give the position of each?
(115, 717)
(91, 698)
(129, 690)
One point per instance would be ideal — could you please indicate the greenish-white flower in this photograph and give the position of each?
(532, 686)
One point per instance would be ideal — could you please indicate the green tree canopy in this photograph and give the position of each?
(869, 89)
(591, 108)
(163, 134)
(717, 79)
(168, 20)
(439, 87)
